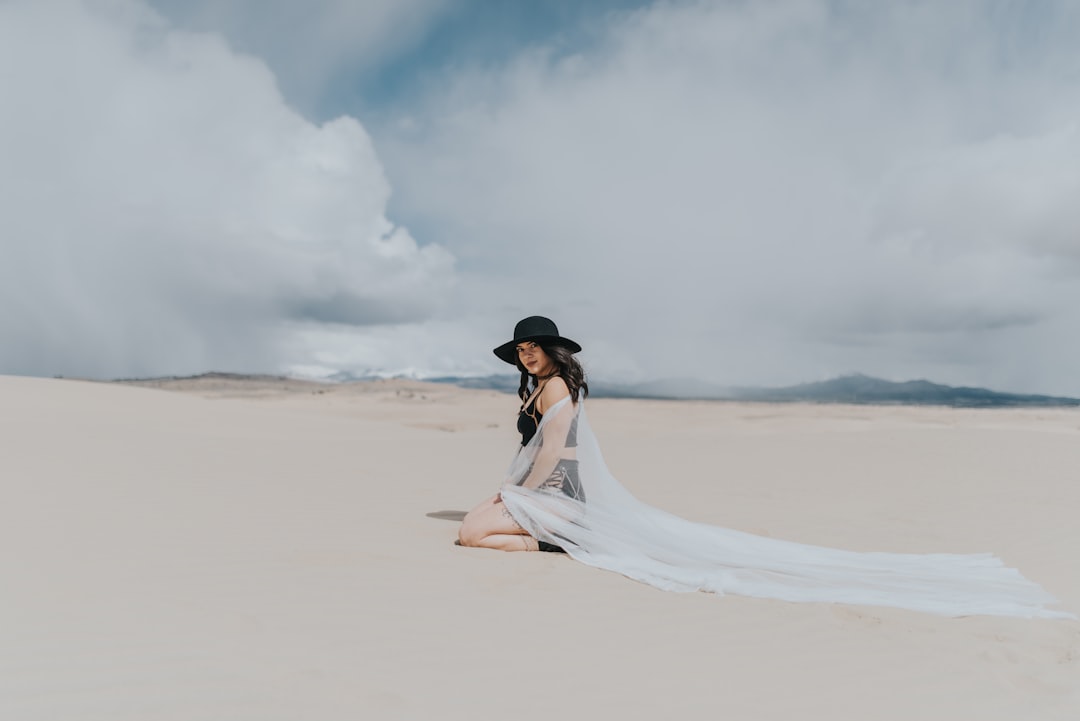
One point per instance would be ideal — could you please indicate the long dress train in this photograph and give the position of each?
(611, 529)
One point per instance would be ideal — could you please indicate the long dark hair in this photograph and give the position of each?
(567, 367)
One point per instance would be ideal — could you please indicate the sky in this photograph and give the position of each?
(749, 193)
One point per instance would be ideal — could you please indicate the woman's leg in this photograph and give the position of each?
(490, 525)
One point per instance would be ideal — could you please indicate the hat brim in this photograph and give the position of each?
(507, 351)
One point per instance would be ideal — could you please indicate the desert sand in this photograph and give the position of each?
(232, 550)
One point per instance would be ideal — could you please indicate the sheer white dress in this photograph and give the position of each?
(607, 527)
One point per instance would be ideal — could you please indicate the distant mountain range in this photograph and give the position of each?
(857, 389)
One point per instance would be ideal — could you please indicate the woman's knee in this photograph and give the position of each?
(470, 533)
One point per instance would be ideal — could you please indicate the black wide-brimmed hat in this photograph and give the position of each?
(536, 328)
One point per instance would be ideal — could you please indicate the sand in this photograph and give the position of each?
(236, 550)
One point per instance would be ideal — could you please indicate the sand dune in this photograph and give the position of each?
(261, 549)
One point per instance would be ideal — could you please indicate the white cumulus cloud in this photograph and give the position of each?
(315, 45)
(165, 211)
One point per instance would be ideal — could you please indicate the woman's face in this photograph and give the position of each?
(535, 360)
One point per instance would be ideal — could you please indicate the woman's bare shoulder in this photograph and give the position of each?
(554, 391)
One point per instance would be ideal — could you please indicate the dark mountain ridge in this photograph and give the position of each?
(855, 388)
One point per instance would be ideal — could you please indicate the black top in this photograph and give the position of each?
(529, 420)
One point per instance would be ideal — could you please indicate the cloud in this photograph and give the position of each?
(773, 192)
(1006, 193)
(315, 45)
(164, 210)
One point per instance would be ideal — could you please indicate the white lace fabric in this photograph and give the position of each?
(613, 530)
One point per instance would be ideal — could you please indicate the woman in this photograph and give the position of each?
(542, 506)
(550, 375)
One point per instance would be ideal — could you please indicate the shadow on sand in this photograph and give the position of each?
(447, 515)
